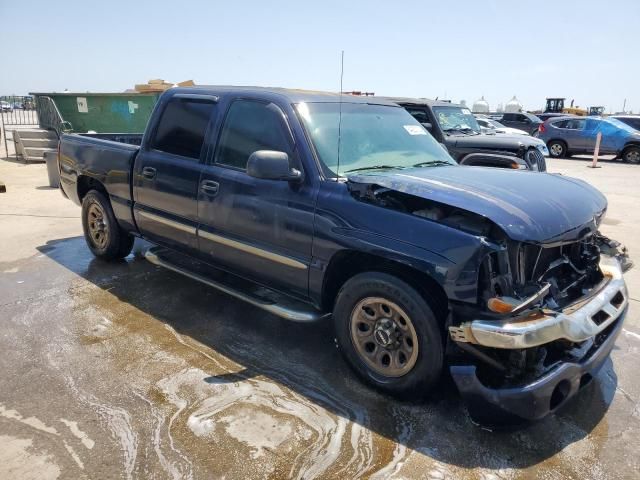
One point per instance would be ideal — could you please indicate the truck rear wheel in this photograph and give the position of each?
(389, 335)
(102, 233)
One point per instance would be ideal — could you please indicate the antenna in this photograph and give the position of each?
(340, 115)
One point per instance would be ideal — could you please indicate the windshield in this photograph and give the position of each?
(371, 137)
(456, 119)
(495, 123)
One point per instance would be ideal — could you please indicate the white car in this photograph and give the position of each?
(5, 107)
(493, 126)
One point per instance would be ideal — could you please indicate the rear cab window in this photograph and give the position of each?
(182, 127)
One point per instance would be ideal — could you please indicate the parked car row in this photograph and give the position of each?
(310, 206)
(492, 126)
(455, 127)
(9, 106)
(566, 136)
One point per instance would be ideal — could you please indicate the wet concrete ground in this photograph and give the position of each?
(129, 371)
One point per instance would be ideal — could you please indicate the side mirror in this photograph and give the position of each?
(427, 125)
(271, 165)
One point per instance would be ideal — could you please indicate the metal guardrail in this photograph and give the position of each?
(16, 111)
(21, 111)
(49, 116)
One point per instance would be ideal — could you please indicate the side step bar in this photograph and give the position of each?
(276, 304)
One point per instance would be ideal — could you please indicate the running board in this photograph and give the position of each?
(258, 296)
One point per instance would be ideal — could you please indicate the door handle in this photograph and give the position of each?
(209, 187)
(149, 172)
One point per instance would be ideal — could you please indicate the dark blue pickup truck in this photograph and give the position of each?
(313, 205)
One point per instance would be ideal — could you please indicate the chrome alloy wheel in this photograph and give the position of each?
(633, 156)
(98, 226)
(556, 149)
(384, 337)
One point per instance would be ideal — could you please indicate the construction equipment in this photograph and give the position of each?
(556, 105)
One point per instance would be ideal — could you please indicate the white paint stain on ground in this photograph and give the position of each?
(33, 422)
(201, 427)
(18, 460)
(268, 418)
(631, 334)
(119, 422)
(82, 436)
(73, 454)
(399, 455)
(179, 467)
(258, 430)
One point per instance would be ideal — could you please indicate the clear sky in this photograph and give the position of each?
(585, 50)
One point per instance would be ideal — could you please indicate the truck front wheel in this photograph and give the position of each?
(102, 233)
(389, 335)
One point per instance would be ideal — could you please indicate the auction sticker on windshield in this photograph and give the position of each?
(415, 129)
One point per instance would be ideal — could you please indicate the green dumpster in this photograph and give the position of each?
(104, 112)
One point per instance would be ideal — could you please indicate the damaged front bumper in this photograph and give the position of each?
(576, 323)
(599, 317)
(506, 406)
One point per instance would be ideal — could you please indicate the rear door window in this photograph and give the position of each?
(182, 127)
(251, 126)
(575, 124)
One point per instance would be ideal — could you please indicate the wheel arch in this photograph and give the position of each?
(557, 139)
(629, 145)
(85, 184)
(348, 263)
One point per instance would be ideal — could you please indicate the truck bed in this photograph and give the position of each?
(85, 158)
(128, 138)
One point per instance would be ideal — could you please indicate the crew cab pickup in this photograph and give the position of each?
(458, 130)
(314, 206)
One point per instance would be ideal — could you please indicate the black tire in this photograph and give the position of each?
(419, 380)
(113, 243)
(557, 148)
(631, 155)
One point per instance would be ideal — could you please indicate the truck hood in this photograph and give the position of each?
(504, 142)
(528, 206)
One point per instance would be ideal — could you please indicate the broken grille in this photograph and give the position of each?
(569, 268)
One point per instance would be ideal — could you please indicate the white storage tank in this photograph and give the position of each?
(513, 106)
(481, 106)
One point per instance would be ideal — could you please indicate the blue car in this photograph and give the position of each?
(566, 136)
